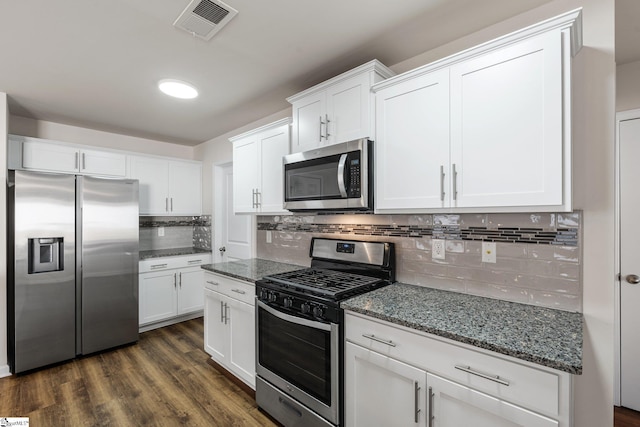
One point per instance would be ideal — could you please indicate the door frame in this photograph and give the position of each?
(217, 200)
(621, 116)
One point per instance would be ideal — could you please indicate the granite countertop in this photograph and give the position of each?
(545, 336)
(251, 269)
(159, 253)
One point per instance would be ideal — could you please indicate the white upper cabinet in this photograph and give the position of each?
(488, 130)
(412, 155)
(51, 156)
(338, 110)
(167, 187)
(507, 126)
(257, 168)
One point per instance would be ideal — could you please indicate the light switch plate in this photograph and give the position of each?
(489, 252)
(268, 236)
(160, 231)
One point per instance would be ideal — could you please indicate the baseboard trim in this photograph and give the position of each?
(171, 321)
(5, 371)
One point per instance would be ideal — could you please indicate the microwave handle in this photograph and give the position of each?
(341, 178)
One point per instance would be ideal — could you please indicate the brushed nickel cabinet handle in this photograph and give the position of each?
(416, 402)
(441, 183)
(455, 182)
(222, 312)
(77, 165)
(84, 161)
(373, 337)
(157, 266)
(320, 128)
(326, 127)
(213, 283)
(495, 378)
(430, 415)
(239, 291)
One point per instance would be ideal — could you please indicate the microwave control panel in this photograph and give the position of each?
(354, 185)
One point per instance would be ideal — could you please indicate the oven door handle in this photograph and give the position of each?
(294, 319)
(341, 184)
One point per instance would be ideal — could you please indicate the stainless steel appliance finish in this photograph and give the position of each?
(299, 329)
(73, 264)
(336, 177)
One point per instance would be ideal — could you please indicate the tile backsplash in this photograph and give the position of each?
(179, 232)
(538, 256)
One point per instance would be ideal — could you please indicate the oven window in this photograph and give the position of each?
(299, 354)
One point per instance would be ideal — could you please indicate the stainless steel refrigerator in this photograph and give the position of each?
(72, 267)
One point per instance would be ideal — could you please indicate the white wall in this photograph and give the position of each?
(4, 121)
(628, 86)
(79, 135)
(219, 150)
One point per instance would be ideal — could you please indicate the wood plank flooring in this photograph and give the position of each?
(626, 417)
(163, 380)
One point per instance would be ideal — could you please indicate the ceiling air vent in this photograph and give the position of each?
(204, 18)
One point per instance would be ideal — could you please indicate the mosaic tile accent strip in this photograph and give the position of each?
(174, 221)
(541, 236)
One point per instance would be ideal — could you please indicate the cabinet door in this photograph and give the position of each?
(454, 405)
(152, 175)
(412, 147)
(381, 391)
(94, 162)
(190, 290)
(348, 109)
(216, 332)
(273, 146)
(309, 122)
(245, 174)
(507, 126)
(242, 340)
(157, 299)
(49, 157)
(185, 188)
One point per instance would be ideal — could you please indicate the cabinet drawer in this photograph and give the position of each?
(166, 263)
(236, 289)
(531, 387)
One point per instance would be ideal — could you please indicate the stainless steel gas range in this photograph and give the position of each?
(300, 332)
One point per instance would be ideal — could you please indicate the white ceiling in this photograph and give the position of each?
(95, 63)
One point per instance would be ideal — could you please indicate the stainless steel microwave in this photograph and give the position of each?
(335, 177)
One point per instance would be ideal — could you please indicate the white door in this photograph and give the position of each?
(348, 110)
(454, 405)
(233, 235)
(49, 157)
(309, 123)
(245, 164)
(95, 162)
(629, 143)
(273, 146)
(381, 391)
(152, 175)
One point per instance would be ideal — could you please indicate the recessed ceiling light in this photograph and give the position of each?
(177, 89)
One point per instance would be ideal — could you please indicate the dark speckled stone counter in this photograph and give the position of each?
(251, 269)
(159, 253)
(548, 337)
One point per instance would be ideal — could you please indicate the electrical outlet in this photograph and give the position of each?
(160, 231)
(489, 252)
(437, 249)
(268, 236)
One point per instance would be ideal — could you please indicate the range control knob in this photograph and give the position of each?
(273, 297)
(305, 308)
(264, 295)
(318, 311)
(287, 302)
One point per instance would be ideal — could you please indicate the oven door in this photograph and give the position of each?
(300, 357)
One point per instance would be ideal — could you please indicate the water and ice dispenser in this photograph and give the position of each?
(46, 254)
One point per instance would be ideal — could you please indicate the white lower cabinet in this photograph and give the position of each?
(453, 405)
(381, 391)
(229, 325)
(402, 377)
(170, 291)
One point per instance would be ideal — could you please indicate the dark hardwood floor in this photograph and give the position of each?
(163, 380)
(626, 417)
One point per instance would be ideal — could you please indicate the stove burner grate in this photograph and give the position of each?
(322, 281)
